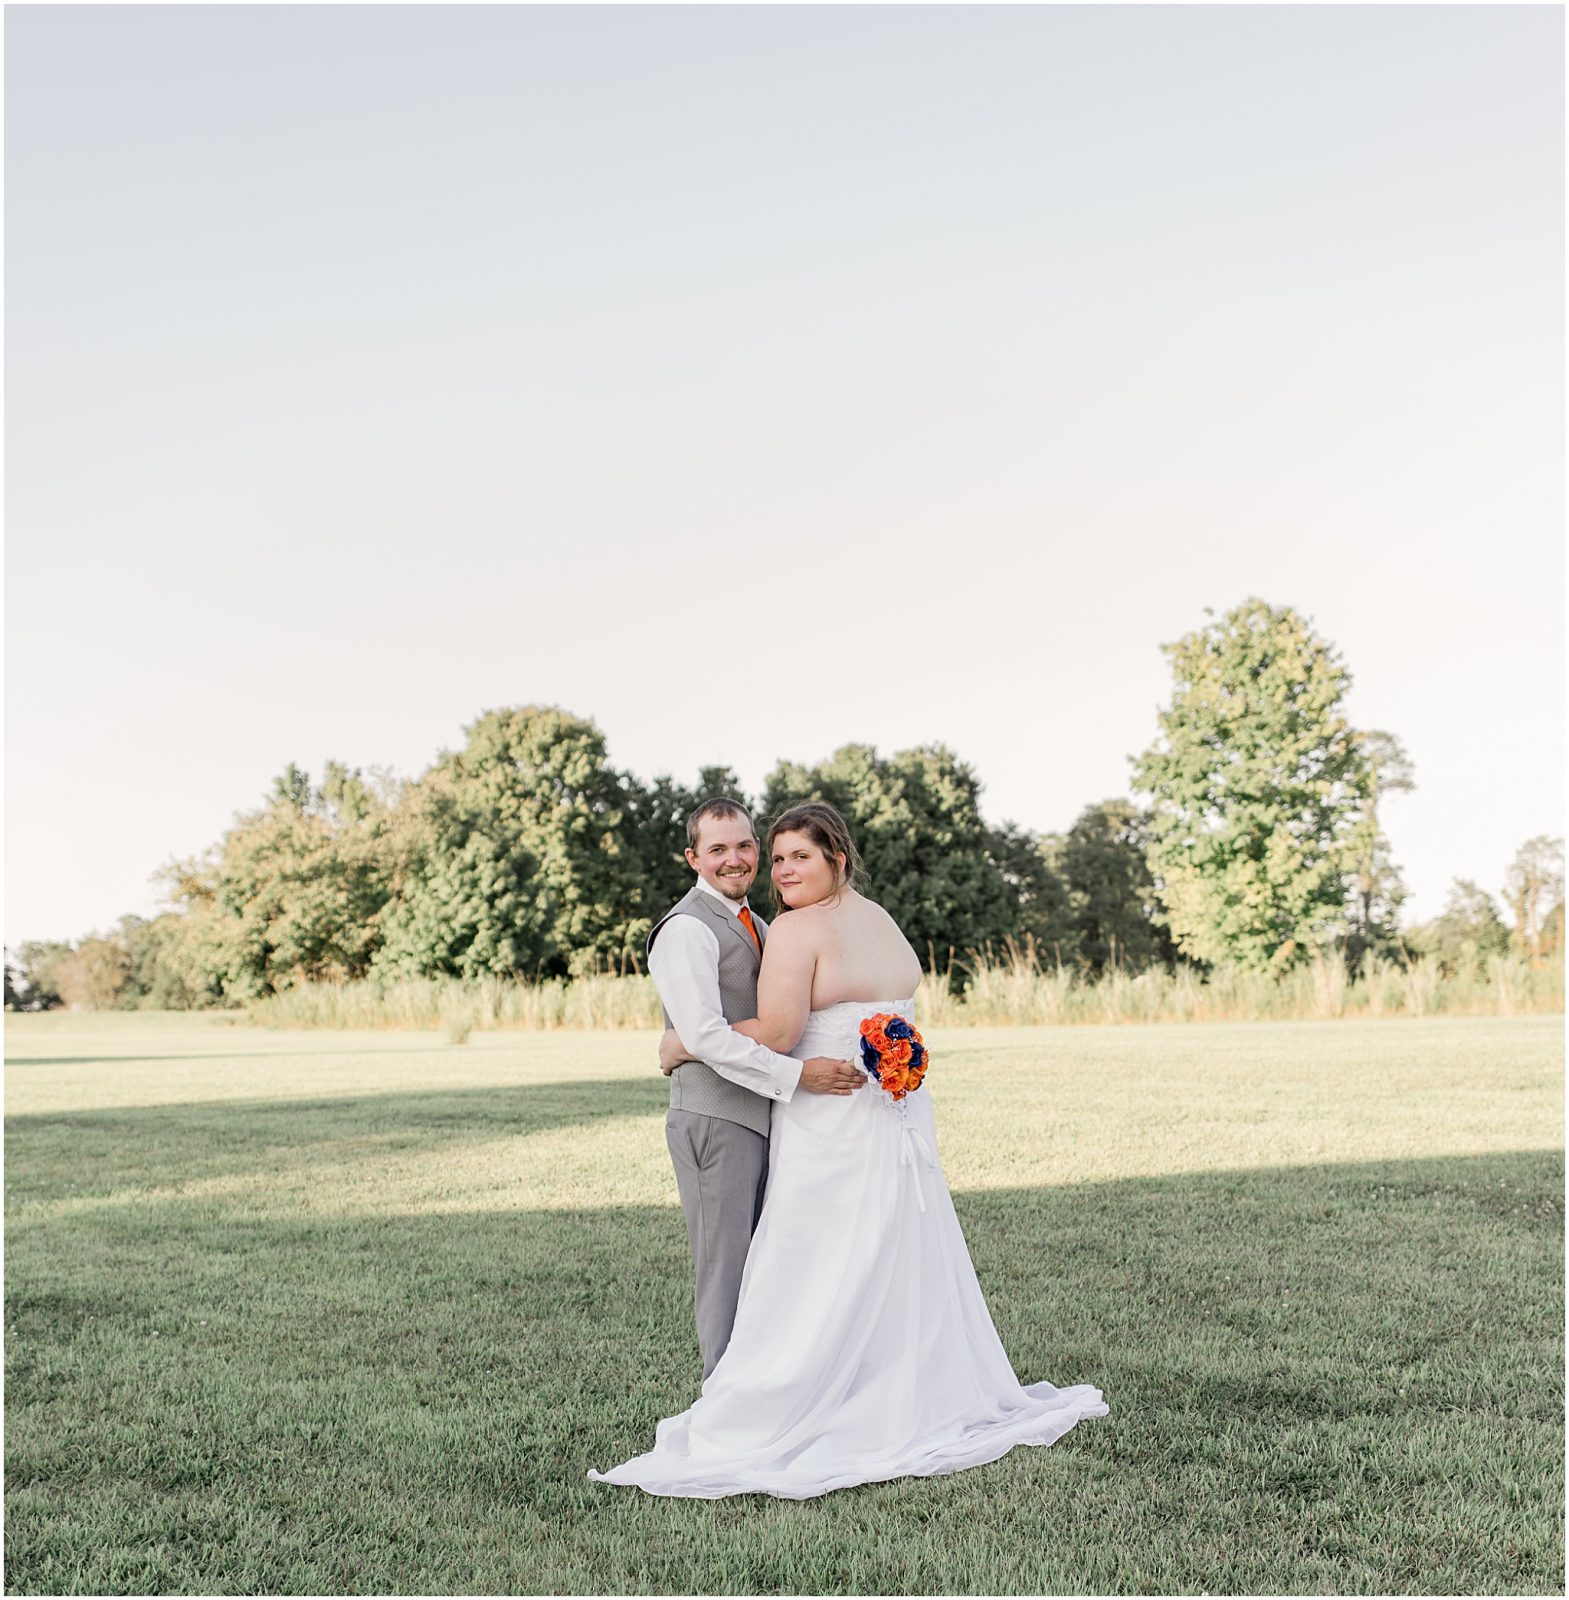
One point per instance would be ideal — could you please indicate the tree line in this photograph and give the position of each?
(1252, 836)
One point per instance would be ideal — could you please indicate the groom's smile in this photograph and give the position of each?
(726, 855)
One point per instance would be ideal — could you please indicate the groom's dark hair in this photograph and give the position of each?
(719, 806)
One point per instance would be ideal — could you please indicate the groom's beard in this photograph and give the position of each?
(733, 888)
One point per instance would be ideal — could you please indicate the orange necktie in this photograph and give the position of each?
(746, 918)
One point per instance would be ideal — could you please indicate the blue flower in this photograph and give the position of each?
(898, 1028)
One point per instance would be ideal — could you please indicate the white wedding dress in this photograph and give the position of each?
(862, 1347)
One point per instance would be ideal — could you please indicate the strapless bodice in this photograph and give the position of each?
(836, 1029)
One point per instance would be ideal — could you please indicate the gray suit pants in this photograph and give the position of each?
(721, 1171)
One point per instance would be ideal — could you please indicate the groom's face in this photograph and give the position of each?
(726, 855)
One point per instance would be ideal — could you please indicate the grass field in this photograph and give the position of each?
(293, 1312)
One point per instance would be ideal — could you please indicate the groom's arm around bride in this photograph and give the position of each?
(704, 956)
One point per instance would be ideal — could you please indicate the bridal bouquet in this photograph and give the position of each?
(893, 1053)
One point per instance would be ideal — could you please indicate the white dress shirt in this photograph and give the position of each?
(684, 965)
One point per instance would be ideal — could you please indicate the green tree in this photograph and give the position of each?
(1552, 942)
(1466, 934)
(518, 861)
(1041, 907)
(1533, 886)
(915, 817)
(1260, 789)
(93, 976)
(1111, 892)
(37, 965)
(654, 822)
(209, 946)
(293, 893)
(1377, 890)
(157, 980)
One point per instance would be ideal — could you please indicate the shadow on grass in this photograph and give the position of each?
(1330, 1379)
(176, 1058)
(91, 1152)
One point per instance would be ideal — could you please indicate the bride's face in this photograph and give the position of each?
(802, 874)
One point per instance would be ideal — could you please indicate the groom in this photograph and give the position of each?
(704, 956)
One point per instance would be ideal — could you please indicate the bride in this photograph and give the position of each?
(862, 1348)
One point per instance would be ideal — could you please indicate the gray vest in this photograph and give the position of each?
(695, 1086)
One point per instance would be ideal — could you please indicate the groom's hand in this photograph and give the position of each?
(824, 1075)
(672, 1052)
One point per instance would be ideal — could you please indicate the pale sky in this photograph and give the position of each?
(757, 380)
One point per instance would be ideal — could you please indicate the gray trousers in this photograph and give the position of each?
(721, 1171)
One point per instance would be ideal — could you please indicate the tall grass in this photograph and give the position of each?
(1015, 991)
(458, 1005)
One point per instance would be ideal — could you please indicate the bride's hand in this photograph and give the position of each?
(672, 1052)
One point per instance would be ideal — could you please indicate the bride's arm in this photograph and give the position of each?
(784, 985)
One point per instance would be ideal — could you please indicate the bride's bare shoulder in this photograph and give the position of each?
(889, 924)
(792, 924)
(804, 928)
(881, 913)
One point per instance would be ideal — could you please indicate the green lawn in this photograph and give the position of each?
(355, 1312)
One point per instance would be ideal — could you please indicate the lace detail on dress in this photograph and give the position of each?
(835, 1030)
(912, 1143)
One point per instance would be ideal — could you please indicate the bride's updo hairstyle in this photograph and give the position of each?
(823, 825)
